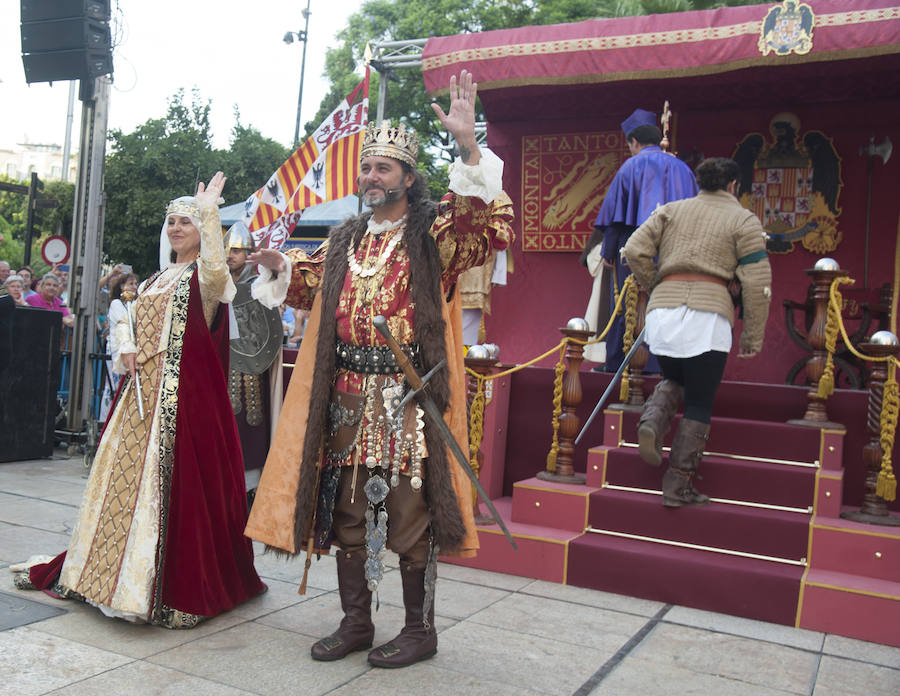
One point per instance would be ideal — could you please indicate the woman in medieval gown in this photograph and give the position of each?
(159, 536)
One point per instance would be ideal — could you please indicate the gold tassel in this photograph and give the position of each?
(557, 407)
(832, 320)
(624, 387)
(476, 430)
(886, 486)
(631, 297)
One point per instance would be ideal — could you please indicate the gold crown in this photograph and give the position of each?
(391, 141)
(186, 205)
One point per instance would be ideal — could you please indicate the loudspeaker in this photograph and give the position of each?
(65, 40)
(38, 10)
(65, 35)
(29, 381)
(66, 65)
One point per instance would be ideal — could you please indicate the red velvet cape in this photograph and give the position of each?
(208, 562)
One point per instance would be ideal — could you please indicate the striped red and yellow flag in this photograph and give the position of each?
(324, 168)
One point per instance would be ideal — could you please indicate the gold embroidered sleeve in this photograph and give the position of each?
(467, 229)
(215, 280)
(306, 275)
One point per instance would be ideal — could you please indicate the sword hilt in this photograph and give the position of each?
(411, 393)
(431, 410)
(137, 378)
(403, 362)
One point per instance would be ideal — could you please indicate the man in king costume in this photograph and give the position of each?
(342, 468)
(648, 179)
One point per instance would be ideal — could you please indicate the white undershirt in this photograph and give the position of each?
(681, 332)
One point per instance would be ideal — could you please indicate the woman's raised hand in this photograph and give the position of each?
(211, 193)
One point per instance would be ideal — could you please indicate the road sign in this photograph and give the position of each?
(55, 249)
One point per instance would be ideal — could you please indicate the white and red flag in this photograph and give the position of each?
(324, 168)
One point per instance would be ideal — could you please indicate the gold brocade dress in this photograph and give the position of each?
(115, 559)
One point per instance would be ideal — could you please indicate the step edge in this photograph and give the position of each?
(727, 501)
(814, 464)
(829, 579)
(802, 562)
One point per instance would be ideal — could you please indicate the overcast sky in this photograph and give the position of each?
(232, 51)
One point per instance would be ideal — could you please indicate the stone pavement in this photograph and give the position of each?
(499, 634)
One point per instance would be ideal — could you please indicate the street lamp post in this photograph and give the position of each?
(289, 39)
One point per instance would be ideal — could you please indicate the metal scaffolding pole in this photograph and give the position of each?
(388, 56)
(87, 250)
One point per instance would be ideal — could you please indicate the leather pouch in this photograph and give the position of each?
(344, 419)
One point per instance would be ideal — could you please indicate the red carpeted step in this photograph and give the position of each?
(851, 605)
(746, 587)
(722, 477)
(749, 438)
(750, 530)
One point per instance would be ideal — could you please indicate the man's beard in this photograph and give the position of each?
(387, 196)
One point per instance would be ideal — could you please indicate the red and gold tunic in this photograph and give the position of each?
(377, 282)
(465, 231)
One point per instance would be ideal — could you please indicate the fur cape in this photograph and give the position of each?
(446, 489)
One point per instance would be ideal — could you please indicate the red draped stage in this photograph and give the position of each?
(796, 92)
(547, 82)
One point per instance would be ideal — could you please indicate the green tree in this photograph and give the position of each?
(12, 211)
(162, 159)
(46, 222)
(250, 161)
(58, 220)
(165, 158)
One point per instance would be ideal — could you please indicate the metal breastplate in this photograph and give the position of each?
(260, 329)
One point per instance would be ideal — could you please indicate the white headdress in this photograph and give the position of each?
(186, 205)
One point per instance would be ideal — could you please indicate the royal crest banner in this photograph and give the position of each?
(787, 29)
(564, 179)
(792, 182)
(324, 168)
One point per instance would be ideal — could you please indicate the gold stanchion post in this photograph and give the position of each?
(816, 415)
(568, 421)
(483, 366)
(874, 508)
(635, 400)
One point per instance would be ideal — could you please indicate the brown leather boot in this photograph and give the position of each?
(656, 419)
(684, 459)
(356, 630)
(417, 640)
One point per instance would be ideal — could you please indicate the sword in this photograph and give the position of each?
(612, 383)
(137, 377)
(417, 388)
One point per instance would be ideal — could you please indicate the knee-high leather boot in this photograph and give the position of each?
(418, 639)
(656, 418)
(684, 459)
(356, 630)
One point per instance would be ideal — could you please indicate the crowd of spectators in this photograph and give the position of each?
(51, 291)
(15, 286)
(48, 298)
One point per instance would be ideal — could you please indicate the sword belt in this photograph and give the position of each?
(373, 360)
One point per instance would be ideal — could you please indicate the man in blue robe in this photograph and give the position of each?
(649, 178)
